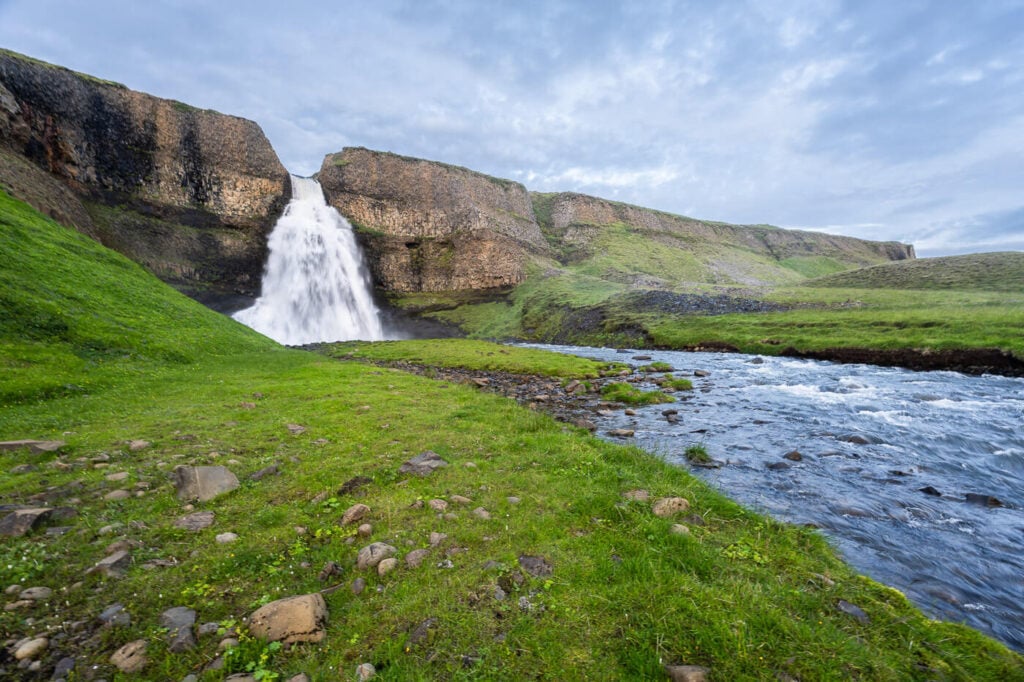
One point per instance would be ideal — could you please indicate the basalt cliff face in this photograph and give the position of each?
(190, 194)
(428, 226)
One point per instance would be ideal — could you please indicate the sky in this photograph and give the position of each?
(890, 120)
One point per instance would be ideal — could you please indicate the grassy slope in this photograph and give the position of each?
(746, 596)
(973, 272)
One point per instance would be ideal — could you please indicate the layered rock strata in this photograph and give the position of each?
(189, 193)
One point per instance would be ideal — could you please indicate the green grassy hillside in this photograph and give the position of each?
(102, 355)
(973, 272)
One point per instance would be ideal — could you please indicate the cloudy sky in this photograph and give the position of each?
(884, 119)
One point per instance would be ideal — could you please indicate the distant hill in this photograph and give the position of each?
(1003, 271)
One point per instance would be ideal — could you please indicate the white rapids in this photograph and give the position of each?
(315, 287)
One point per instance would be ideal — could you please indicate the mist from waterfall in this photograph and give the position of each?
(316, 286)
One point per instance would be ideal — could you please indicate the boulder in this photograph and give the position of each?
(294, 619)
(195, 521)
(179, 621)
(354, 513)
(203, 483)
(36, 446)
(21, 521)
(670, 506)
(113, 566)
(423, 464)
(131, 658)
(371, 555)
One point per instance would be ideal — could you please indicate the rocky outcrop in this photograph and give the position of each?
(188, 193)
(576, 219)
(428, 226)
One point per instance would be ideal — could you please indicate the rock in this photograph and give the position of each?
(481, 513)
(621, 433)
(36, 446)
(119, 476)
(670, 506)
(777, 466)
(629, 412)
(117, 495)
(301, 677)
(115, 616)
(36, 593)
(203, 483)
(365, 671)
(701, 373)
(687, 673)
(31, 649)
(853, 610)
(13, 590)
(241, 677)
(637, 495)
(63, 669)
(353, 484)
(225, 538)
(179, 621)
(21, 521)
(929, 490)
(512, 499)
(481, 381)
(20, 604)
(438, 505)
(113, 566)
(423, 464)
(386, 566)
(855, 439)
(196, 521)
(459, 499)
(756, 360)
(358, 585)
(207, 629)
(295, 619)
(24, 469)
(983, 500)
(354, 513)
(537, 566)
(581, 423)
(437, 538)
(136, 445)
(414, 558)
(271, 470)
(421, 633)
(680, 529)
(296, 429)
(642, 358)
(365, 530)
(371, 555)
(794, 456)
(131, 658)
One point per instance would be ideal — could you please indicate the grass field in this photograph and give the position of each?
(97, 353)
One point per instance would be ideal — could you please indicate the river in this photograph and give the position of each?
(916, 477)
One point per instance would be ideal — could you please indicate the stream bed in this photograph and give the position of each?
(916, 477)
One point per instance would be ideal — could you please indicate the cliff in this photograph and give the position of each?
(188, 193)
(430, 226)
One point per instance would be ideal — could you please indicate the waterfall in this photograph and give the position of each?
(315, 287)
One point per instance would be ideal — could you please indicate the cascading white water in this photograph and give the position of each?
(315, 287)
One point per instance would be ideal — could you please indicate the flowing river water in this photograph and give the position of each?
(916, 477)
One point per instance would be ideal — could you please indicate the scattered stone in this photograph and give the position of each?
(481, 381)
(31, 649)
(294, 619)
(365, 671)
(227, 643)
(983, 500)
(459, 499)
(36, 593)
(572, 386)
(225, 538)
(196, 521)
(320, 497)
(207, 629)
(131, 658)
(637, 495)
(354, 484)
(929, 490)
(20, 604)
(365, 530)
(13, 590)
(670, 506)
(512, 499)
(113, 566)
(354, 513)
(438, 505)
(757, 360)
(469, 465)
(680, 529)
(437, 538)
(422, 632)
(24, 469)
(21, 521)
(621, 433)
(271, 470)
(301, 677)
(247, 405)
(687, 673)
(581, 423)
(115, 616)
(117, 495)
(481, 513)
(855, 439)
(629, 412)
(241, 677)
(63, 669)
(777, 466)
(36, 446)
(537, 566)
(423, 464)
(371, 555)
(853, 610)
(330, 569)
(179, 621)
(119, 476)
(386, 566)
(794, 456)
(203, 483)
(136, 445)
(701, 373)
(296, 429)
(414, 558)
(642, 358)
(695, 520)
(447, 563)
(358, 585)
